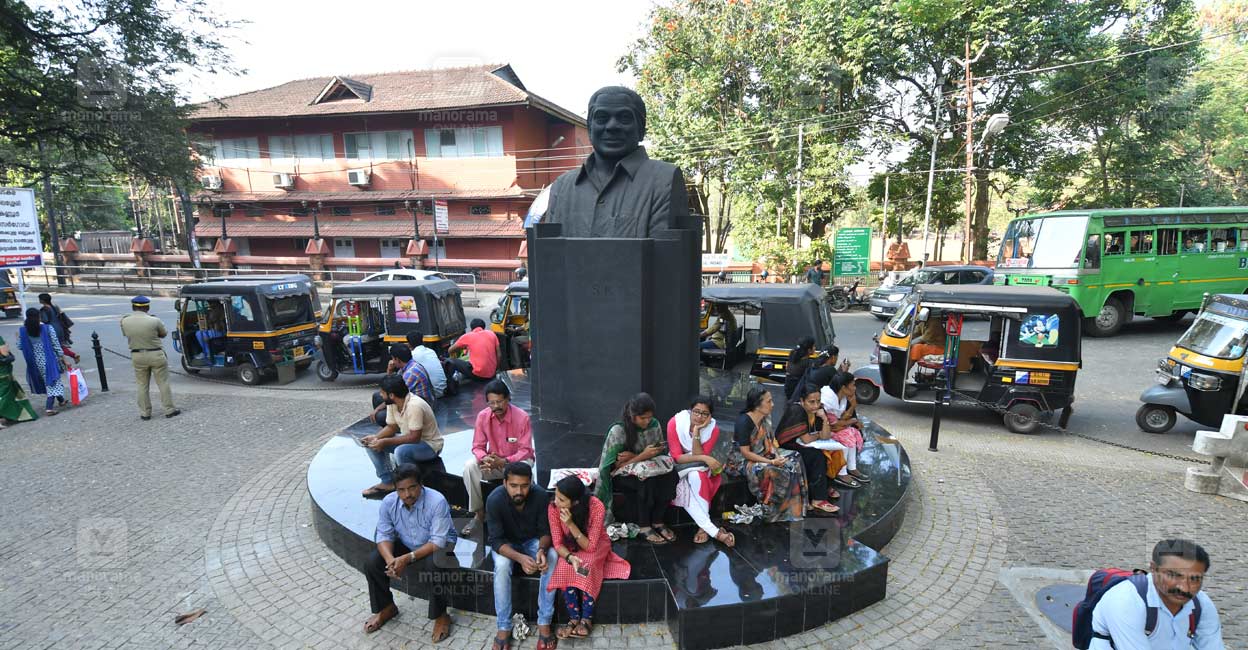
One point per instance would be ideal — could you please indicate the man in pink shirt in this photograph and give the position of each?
(482, 347)
(502, 435)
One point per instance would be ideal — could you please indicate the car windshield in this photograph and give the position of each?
(1215, 335)
(920, 276)
(1046, 243)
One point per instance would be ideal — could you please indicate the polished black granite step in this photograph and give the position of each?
(780, 579)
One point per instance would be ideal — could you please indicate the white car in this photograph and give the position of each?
(405, 274)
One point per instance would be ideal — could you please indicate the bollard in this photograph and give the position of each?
(99, 360)
(935, 435)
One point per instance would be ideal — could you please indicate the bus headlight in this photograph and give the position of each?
(1204, 382)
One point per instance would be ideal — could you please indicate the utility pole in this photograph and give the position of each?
(188, 221)
(967, 249)
(884, 229)
(797, 220)
(931, 168)
(51, 214)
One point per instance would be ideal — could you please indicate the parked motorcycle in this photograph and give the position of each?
(841, 297)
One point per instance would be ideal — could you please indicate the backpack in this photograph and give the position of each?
(66, 321)
(1103, 580)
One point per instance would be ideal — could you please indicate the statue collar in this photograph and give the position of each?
(630, 164)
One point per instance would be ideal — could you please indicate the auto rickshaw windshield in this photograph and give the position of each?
(1218, 336)
(901, 321)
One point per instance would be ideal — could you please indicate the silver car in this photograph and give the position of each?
(885, 300)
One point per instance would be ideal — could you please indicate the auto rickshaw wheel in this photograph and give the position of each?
(865, 391)
(189, 368)
(839, 302)
(1108, 321)
(1022, 417)
(248, 374)
(1156, 418)
(324, 372)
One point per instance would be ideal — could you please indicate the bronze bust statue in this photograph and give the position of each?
(619, 191)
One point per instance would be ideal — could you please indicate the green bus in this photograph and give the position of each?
(1156, 262)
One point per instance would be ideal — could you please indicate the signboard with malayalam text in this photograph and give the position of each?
(21, 243)
(441, 217)
(851, 252)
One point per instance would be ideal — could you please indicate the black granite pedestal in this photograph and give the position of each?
(779, 580)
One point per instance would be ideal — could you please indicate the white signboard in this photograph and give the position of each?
(20, 243)
(712, 260)
(441, 217)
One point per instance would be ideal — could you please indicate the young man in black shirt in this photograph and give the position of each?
(519, 535)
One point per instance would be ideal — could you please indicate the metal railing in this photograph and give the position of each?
(867, 282)
(79, 278)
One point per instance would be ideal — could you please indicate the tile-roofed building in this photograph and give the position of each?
(365, 154)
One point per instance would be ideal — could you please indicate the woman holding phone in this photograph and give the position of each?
(776, 476)
(578, 533)
(635, 459)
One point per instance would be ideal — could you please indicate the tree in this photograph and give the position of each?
(727, 85)
(94, 84)
(909, 49)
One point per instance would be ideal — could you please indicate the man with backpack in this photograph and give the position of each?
(1163, 609)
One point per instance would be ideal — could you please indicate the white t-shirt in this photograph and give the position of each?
(832, 403)
(1121, 614)
(428, 360)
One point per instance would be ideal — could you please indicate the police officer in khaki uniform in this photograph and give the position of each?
(148, 355)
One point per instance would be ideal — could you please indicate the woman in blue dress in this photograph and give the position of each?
(45, 371)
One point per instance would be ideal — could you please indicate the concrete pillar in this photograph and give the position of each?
(141, 248)
(225, 249)
(418, 252)
(317, 250)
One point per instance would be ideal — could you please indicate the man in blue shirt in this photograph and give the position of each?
(1176, 574)
(414, 531)
(520, 538)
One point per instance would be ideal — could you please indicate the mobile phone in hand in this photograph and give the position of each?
(582, 570)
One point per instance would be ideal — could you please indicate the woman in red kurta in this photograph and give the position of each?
(578, 534)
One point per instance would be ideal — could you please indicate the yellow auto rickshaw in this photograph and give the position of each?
(510, 321)
(1204, 375)
(365, 318)
(1014, 349)
(246, 325)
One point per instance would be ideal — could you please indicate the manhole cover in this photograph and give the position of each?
(1058, 601)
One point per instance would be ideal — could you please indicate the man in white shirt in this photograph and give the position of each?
(1176, 574)
(429, 360)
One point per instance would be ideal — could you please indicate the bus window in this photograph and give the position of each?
(1092, 254)
(1194, 240)
(1223, 239)
(1243, 239)
(1167, 242)
(1113, 243)
(1141, 241)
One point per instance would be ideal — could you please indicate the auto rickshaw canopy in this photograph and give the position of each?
(432, 307)
(257, 304)
(788, 312)
(1040, 323)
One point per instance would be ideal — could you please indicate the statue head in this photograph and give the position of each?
(617, 122)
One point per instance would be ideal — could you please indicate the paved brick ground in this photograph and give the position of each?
(113, 526)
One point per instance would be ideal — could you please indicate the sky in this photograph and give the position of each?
(563, 50)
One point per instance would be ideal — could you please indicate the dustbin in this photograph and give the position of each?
(285, 372)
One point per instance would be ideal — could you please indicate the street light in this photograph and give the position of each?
(996, 124)
(316, 221)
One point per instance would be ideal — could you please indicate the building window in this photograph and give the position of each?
(221, 211)
(234, 149)
(475, 142)
(426, 207)
(392, 248)
(344, 247)
(437, 249)
(301, 244)
(299, 212)
(341, 210)
(479, 210)
(377, 145)
(253, 211)
(384, 210)
(318, 146)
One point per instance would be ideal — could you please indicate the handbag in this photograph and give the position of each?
(649, 468)
(78, 389)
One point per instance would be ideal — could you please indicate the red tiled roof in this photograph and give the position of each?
(389, 92)
(364, 227)
(371, 196)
